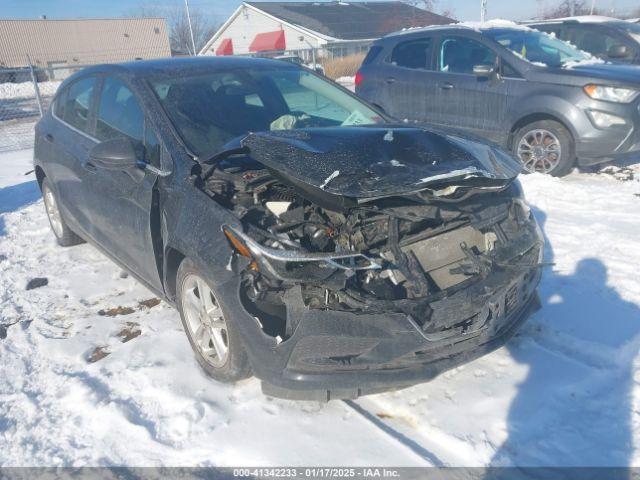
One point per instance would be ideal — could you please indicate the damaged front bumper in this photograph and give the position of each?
(346, 355)
(336, 354)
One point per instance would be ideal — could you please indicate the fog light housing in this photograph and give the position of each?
(605, 120)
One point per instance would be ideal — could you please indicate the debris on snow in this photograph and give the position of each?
(130, 331)
(98, 354)
(115, 311)
(37, 283)
(149, 303)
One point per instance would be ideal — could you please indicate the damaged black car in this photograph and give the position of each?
(303, 237)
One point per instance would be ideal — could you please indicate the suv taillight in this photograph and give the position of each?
(358, 79)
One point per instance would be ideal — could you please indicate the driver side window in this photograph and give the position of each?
(120, 116)
(461, 54)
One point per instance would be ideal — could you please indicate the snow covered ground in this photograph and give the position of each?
(565, 391)
(26, 89)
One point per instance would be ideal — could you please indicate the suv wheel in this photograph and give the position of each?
(545, 146)
(213, 336)
(64, 235)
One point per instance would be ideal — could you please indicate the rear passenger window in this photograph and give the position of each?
(77, 103)
(58, 107)
(372, 54)
(413, 54)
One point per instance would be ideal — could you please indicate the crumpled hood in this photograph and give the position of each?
(365, 162)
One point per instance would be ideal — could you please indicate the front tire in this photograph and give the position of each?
(64, 235)
(546, 147)
(213, 336)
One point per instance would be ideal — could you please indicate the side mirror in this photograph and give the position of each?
(617, 51)
(115, 154)
(483, 71)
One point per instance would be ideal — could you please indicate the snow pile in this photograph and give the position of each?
(565, 391)
(493, 23)
(25, 89)
(347, 82)
(584, 63)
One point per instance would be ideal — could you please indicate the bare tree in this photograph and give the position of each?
(567, 8)
(203, 25)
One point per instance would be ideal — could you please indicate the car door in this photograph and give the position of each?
(120, 201)
(410, 81)
(478, 104)
(69, 138)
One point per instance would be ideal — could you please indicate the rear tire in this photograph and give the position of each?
(212, 334)
(545, 146)
(64, 235)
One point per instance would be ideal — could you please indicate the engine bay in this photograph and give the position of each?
(390, 254)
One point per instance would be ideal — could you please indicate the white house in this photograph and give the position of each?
(333, 27)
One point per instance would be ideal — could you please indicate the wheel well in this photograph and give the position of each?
(534, 117)
(173, 258)
(40, 176)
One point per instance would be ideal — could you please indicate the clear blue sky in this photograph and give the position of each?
(464, 9)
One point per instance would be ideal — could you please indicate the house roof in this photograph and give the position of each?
(81, 41)
(353, 20)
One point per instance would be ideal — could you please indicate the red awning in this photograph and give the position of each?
(268, 41)
(225, 47)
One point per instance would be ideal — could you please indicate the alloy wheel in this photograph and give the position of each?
(205, 320)
(539, 151)
(51, 207)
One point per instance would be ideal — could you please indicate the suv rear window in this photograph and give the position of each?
(372, 54)
(413, 54)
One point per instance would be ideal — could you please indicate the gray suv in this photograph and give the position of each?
(548, 102)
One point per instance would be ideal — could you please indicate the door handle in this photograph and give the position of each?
(446, 86)
(90, 167)
(390, 79)
(49, 138)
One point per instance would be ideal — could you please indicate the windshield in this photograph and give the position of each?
(537, 47)
(210, 109)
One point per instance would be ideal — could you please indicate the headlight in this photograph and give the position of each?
(605, 120)
(610, 94)
(295, 265)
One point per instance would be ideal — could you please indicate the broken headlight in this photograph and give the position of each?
(296, 265)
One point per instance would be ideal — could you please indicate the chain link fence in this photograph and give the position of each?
(25, 94)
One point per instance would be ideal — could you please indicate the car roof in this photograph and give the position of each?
(478, 27)
(181, 65)
(576, 19)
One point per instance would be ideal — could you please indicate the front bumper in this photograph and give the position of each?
(597, 145)
(344, 355)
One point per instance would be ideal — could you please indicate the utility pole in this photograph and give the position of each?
(572, 8)
(483, 10)
(193, 43)
(593, 7)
